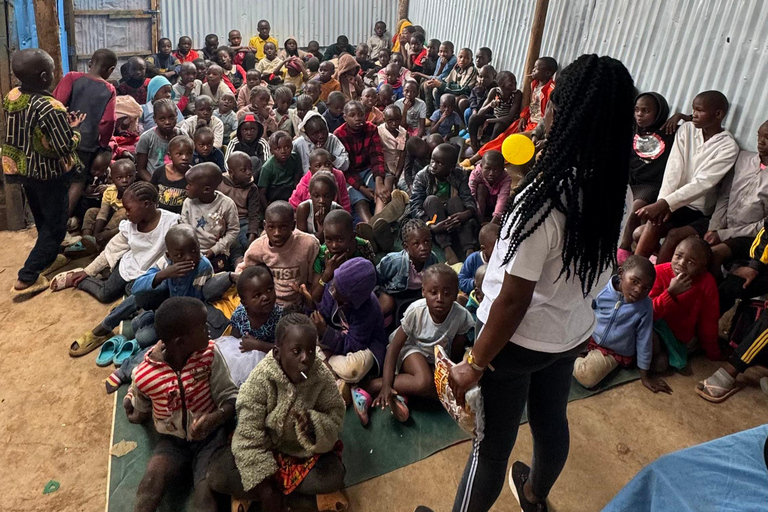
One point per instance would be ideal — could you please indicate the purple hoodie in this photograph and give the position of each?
(360, 323)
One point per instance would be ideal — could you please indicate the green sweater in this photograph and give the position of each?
(265, 424)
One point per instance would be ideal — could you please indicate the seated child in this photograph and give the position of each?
(249, 139)
(269, 65)
(204, 117)
(226, 114)
(296, 115)
(386, 96)
(459, 81)
(361, 56)
(252, 79)
(239, 186)
(90, 184)
(418, 153)
(311, 213)
(437, 319)
(163, 63)
(185, 364)
(414, 110)
(446, 122)
(289, 253)
(159, 88)
(152, 147)
(316, 135)
(417, 53)
(368, 100)
(202, 69)
(214, 86)
(134, 81)
(170, 180)
(101, 224)
(486, 80)
(244, 55)
(313, 66)
(211, 45)
(313, 48)
(295, 73)
(685, 304)
(291, 49)
(334, 114)
(500, 109)
(290, 416)
(205, 151)
(624, 331)
(261, 107)
(702, 155)
(212, 214)
(187, 89)
(320, 160)
(328, 83)
(384, 57)
(393, 139)
(340, 245)
(489, 233)
(283, 99)
(282, 172)
(393, 77)
(127, 113)
(475, 298)
(234, 75)
(312, 89)
(490, 185)
(441, 193)
(184, 52)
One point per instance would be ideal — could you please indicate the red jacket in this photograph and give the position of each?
(694, 312)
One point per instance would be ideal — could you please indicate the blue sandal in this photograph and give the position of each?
(109, 349)
(127, 350)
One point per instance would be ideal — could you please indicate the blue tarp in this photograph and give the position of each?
(26, 29)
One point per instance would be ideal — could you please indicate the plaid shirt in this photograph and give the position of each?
(364, 148)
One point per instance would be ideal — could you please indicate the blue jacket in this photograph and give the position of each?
(394, 270)
(626, 329)
(190, 285)
(467, 274)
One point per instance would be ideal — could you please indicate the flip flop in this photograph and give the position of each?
(705, 390)
(76, 250)
(127, 349)
(362, 402)
(59, 262)
(40, 284)
(108, 350)
(86, 344)
(63, 280)
(399, 407)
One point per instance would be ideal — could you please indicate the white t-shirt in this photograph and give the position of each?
(146, 248)
(423, 333)
(559, 317)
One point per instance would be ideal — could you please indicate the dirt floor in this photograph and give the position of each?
(55, 420)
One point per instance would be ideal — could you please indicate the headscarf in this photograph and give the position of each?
(126, 106)
(650, 149)
(396, 38)
(346, 64)
(155, 85)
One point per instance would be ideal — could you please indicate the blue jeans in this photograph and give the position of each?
(467, 114)
(131, 305)
(144, 329)
(355, 196)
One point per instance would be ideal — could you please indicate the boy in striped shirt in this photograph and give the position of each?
(184, 384)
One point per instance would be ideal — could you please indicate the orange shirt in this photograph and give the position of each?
(328, 87)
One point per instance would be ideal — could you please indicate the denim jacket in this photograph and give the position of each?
(394, 269)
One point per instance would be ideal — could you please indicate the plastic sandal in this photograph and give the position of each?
(76, 250)
(399, 407)
(108, 350)
(86, 344)
(707, 392)
(40, 284)
(362, 402)
(128, 349)
(63, 280)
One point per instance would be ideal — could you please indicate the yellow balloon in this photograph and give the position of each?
(517, 149)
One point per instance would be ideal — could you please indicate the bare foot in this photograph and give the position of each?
(21, 285)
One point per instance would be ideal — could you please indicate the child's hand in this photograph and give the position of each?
(384, 194)
(75, 118)
(672, 123)
(656, 213)
(407, 104)
(382, 399)
(100, 189)
(656, 385)
(201, 123)
(747, 273)
(319, 322)
(679, 284)
(188, 88)
(367, 192)
(302, 290)
(78, 277)
(128, 405)
(209, 254)
(204, 425)
(175, 270)
(249, 343)
(712, 238)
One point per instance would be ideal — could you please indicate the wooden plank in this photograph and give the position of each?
(534, 46)
(142, 53)
(154, 5)
(69, 21)
(124, 13)
(47, 21)
(402, 10)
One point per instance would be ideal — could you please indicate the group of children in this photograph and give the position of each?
(257, 197)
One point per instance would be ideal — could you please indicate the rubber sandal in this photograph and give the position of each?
(108, 350)
(87, 343)
(127, 350)
(40, 284)
(399, 407)
(63, 280)
(59, 262)
(705, 392)
(362, 402)
(76, 250)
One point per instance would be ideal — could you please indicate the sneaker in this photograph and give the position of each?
(399, 407)
(518, 475)
(362, 402)
(463, 132)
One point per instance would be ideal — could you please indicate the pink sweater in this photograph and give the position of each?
(498, 193)
(301, 193)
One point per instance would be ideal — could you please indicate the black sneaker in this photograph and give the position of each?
(518, 475)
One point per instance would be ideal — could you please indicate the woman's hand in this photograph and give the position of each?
(461, 378)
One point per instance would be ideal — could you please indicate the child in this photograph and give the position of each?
(501, 108)
(283, 99)
(211, 44)
(252, 79)
(341, 46)
(295, 74)
(204, 117)
(685, 304)
(392, 75)
(313, 90)
(490, 185)
(187, 89)
(134, 81)
(334, 114)
(282, 172)
(202, 68)
(368, 100)
(234, 75)
(303, 453)
(214, 86)
(238, 185)
(320, 160)
(188, 366)
(441, 193)
(159, 88)
(393, 139)
(88, 191)
(313, 67)
(269, 65)
(205, 151)
(296, 115)
(313, 48)
(260, 40)
(163, 63)
(483, 57)
(437, 319)
(212, 214)
(152, 147)
(127, 113)
(365, 175)
(39, 150)
(348, 75)
(486, 80)
(459, 81)
(101, 224)
(624, 331)
(474, 300)
(351, 325)
(414, 110)
(702, 155)
(250, 140)
(446, 121)
(289, 253)
(316, 135)
(489, 233)
(386, 96)
(291, 49)
(261, 107)
(417, 156)
(184, 52)
(226, 114)
(445, 63)
(417, 54)
(328, 83)
(311, 213)
(380, 40)
(384, 60)
(243, 54)
(170, 179)
(650, 151)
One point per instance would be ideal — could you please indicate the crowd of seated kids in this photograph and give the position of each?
(328, 217)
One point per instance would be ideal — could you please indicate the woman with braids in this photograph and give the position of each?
(558, 240)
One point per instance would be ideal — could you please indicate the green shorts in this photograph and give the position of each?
(678, 351)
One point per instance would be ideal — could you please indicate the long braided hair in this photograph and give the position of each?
(583, 170)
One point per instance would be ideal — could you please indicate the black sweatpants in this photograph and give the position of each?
(753, 349)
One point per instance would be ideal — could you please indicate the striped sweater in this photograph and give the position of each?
(176, 399)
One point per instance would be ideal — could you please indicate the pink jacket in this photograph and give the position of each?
(301, 193)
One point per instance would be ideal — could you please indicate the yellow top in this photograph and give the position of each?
(258, 43)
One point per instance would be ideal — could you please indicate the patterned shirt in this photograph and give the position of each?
(266, 332)
(363, 250)
(364, 148)
(39, 143)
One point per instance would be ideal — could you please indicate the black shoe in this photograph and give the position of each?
(518, 475)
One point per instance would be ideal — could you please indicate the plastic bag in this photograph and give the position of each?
(470, 417)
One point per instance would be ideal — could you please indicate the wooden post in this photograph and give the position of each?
(402, 10)
(534, 46)
(47, 20)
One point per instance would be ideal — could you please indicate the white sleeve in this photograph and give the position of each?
(674, 168)
(530, 257)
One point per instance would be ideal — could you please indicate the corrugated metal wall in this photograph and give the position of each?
(320, 20)
(675, 47)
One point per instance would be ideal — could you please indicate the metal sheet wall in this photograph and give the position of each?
(320, 20)
(674, 47)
